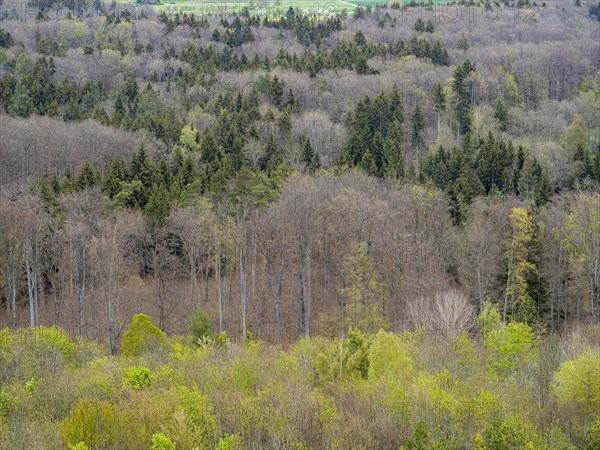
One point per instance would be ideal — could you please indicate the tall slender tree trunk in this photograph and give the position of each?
(579, 294)
(243, 293)
(219, 288)
(194, 280)
(30, 289)
(13, 301)
(305, 287)
(93, 312)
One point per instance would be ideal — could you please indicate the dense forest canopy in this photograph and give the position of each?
(373, 209)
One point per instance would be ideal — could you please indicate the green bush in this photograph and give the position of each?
(96, 423)
(200, 416)
(230, 442)
(577, 382)
(137, 377)
(7, 403)
(512, 346)
(201, 326)
(79, 446)
(389, 357)
(8, 355)
(43, 350)
(142, 337)
(161, 442)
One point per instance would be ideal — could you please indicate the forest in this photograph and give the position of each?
(300, 228)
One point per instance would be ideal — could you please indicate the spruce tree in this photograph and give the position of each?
(310, 157)
(417, 128)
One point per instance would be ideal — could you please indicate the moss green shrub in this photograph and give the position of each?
(162, 442)
(389, 357)
(512, 346)
(137, 377)
(96, 423)
(201, 326)
(142, 337)
(230, 442)
(577, 382)
(200, 416)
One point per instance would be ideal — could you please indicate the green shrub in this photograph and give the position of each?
(512, 346)
(200, 416)
(230, 442)
(511, 432)
(161, 442)
(142, 337)
(389, 357)
(7, 403)
(201, 326)
(356, 355)
(577, 382)
(79, 446)
(8, 355)
(137, 377)
(94, 422)
(41, 351)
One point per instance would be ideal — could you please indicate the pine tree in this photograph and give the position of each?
(119, 111)
(284, 122)
(596, 165)
(501, 114)
(419, 26)
(417, 129)
(463, 44)
(66, 184)
(276, 92)
(368, 163)
(157, 208)
(21, 104)
(359, 39)
(393, 155)
(86, 178)
(462, 96)
(271, 157)
(439, 103)
(310, 157)
(377, 151)
(362, 67)
(519, 261)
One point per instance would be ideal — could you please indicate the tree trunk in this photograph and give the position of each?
(243, 292)
(13, 301)
(194, 280)
(219, 288)
(30, 289)
(305, 287)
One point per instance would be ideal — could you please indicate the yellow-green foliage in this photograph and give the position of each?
(96, 423)
(230, 442)
(577, 382)
(137, 377)
(364, 290)
(7, 355)
(200, 417)
(7, 403)
(513, 431)
(39, 351)
(142, 336)
(389, 357)
(79, 446)
(378, 390)
(512, 346)
(162, 442)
